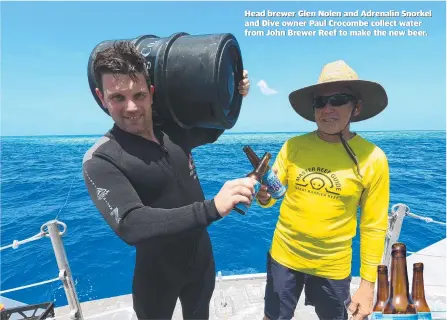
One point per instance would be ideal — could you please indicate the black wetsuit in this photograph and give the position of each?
(151, 197)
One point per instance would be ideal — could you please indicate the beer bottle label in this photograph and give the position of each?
(399, 316)
(376, 315)
(242, 205)
(274, 186)
(424, 316)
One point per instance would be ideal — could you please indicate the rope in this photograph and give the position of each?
(413, 215)
(66, 199)
(15, 244)
(29, 286)
(426, 219)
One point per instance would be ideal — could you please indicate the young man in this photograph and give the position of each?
(142, 178)
(330, 173)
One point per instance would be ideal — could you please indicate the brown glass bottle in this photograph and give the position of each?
(257, 174)
(399, 300)
(252, 156)
(382, 291)
(418, 292)
(274, 186)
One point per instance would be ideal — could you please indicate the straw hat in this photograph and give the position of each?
(373, 95)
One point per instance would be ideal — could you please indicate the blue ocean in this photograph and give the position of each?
(42, 180)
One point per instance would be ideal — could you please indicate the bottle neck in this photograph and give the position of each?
(418, 291)
(261, 168)
(253, 158)
(399, 276)
(382, 287)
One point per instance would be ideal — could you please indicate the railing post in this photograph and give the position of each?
(393, 232)
(64, 270)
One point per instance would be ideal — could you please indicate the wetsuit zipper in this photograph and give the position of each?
(192, 257)
(177, 178)
(168, 159)
(171, 163)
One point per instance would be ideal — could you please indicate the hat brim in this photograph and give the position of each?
(373, 96)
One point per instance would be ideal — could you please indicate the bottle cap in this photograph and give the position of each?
(382, 268)
(398, 246)
(418, 266)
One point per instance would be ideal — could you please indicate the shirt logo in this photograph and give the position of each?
(319, 181)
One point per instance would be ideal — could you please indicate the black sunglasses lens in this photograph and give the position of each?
(339, 100)
(336, 100)
(320, 102)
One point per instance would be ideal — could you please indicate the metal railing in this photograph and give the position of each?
(62, 262)
(395, 221)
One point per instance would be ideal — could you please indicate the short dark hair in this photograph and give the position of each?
(120, 58)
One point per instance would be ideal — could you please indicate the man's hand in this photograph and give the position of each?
(263, 196)
(234, 192)
(362, 301)
(244, 84)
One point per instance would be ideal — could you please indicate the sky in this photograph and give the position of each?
(45, 47)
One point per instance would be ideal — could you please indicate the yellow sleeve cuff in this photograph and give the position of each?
(368, 272)
(269, 204)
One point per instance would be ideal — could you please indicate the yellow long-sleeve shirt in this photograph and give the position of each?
(318, 215)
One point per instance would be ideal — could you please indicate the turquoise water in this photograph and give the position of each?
(39, 172)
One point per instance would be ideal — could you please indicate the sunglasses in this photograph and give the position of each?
(335, 100)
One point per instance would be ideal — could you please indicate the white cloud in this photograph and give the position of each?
(265, 88)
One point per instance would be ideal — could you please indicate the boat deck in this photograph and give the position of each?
(242, 297)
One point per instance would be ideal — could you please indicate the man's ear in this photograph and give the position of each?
(151, 93)
(358, 108)
(100, 96)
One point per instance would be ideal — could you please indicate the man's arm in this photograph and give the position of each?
(120, 205)
(374, 218)
(373, 225)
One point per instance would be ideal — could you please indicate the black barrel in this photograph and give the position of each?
(195, 77)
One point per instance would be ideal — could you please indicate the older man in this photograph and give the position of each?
(330, 173)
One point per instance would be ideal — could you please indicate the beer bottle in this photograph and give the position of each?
(382, 291)
(257, 174)
(418, 292)
(274, 186)
(399, 301)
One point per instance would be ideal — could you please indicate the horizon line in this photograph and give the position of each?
(224, 133)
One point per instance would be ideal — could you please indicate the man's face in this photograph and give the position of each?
(129, 103)
(333, 116)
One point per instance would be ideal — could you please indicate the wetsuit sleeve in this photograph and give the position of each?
(374, 218)
(280, 164)
(120, 205)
